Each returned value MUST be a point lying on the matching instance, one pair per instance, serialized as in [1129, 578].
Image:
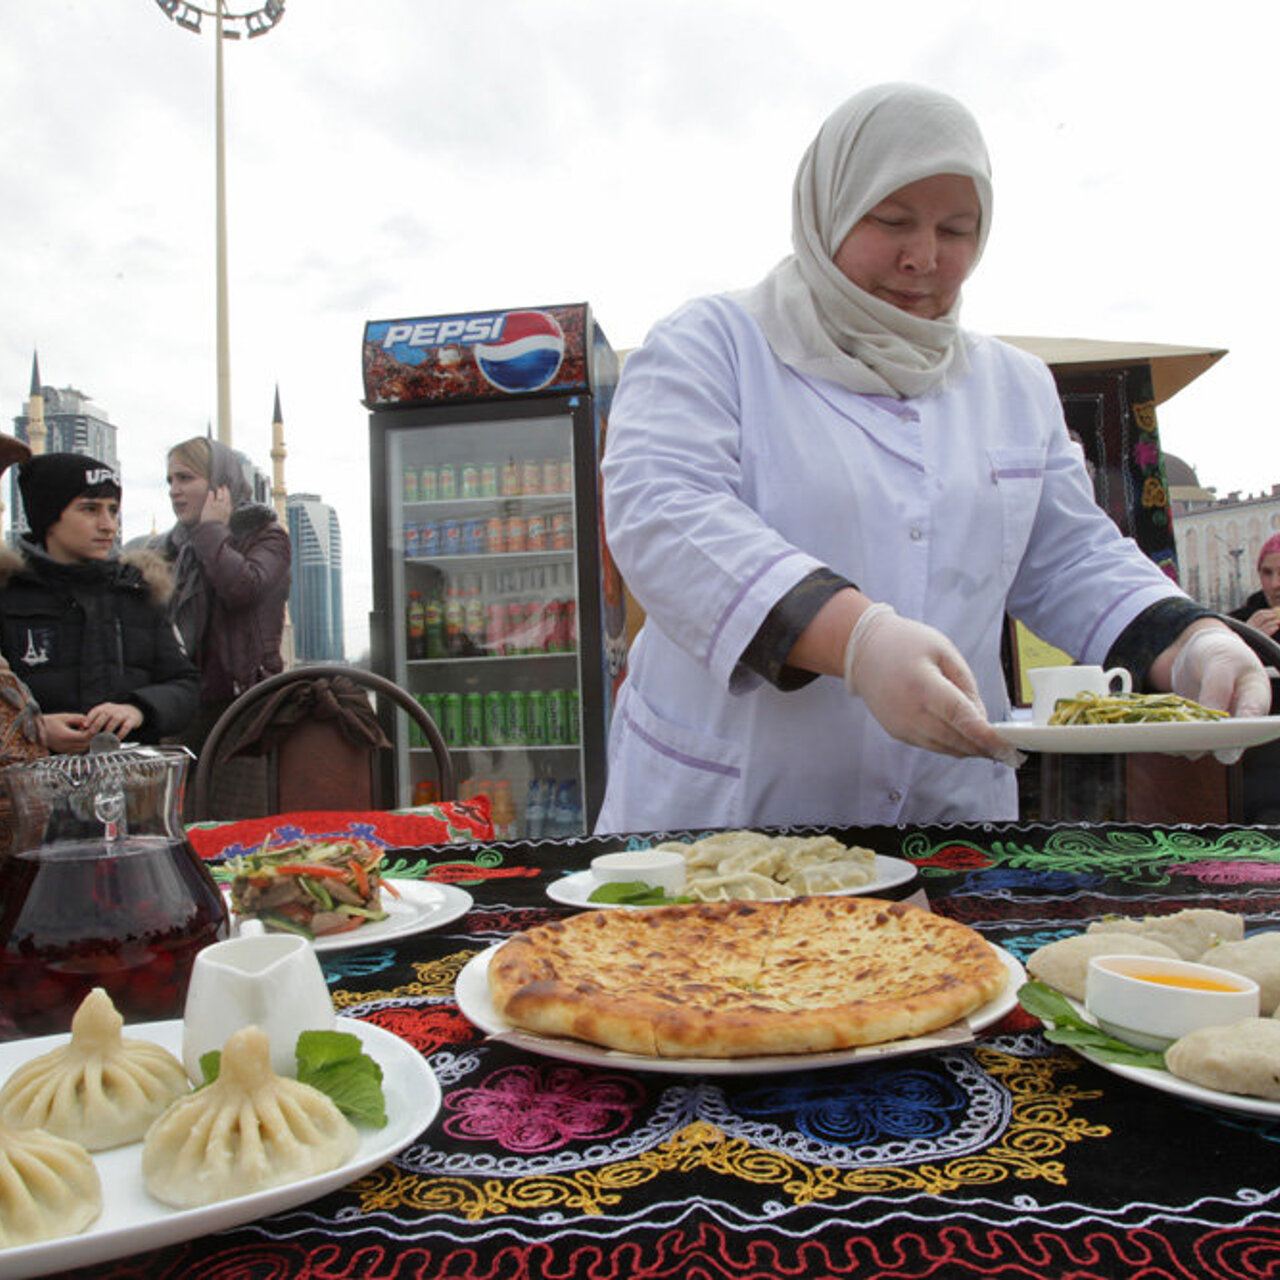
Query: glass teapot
[99, 887]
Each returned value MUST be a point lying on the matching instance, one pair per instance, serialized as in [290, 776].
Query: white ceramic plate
[132, 1222]
[422, 905]
[1170, 739]
[1165, 1082]
[575, 889]
[472, 993]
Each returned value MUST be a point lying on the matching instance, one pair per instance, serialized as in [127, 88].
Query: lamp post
[229, 24]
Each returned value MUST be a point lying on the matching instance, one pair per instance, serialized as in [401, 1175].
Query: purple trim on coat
[693, 762]
[1115, 604]
[742, 591]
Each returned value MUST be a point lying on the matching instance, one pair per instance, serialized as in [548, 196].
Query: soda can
[450, 538]
[495, 535]
[531, 476]
[427, 491]
[535, 534]
[535, 728]
[428, 538]
[451, 719]
[426, 792]
[489, 480]
[516, 718]
[469, 481]
[474, 537]
[516, 533]
[510, 482]
[473, 720]
[573, 718]
[550, 476]
[566, 475]
[431, 704]
[411, 484]
[557, 717]
[447, 483]
[412, 546]
[495, 719]
[561, 532]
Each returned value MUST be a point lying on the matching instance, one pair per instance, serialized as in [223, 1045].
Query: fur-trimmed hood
[150, 566]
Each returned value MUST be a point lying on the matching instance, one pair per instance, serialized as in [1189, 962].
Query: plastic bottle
[434, 610]
[566, 814]
[453, 621]
[535, 810]
[417, 627]
[503, 811]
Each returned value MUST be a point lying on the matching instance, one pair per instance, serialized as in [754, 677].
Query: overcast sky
[396, 158]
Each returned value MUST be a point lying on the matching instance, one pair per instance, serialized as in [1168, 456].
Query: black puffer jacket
[81, 634]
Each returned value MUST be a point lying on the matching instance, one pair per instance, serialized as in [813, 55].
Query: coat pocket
[1018, 477]
[664, 777]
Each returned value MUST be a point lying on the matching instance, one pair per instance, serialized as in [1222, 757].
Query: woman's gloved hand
[1215, 668]
[919, 687]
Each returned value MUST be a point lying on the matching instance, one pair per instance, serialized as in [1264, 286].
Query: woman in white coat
[825, 476]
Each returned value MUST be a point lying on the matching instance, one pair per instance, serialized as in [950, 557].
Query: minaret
[278, 496]
[37, 433]
[278, 491]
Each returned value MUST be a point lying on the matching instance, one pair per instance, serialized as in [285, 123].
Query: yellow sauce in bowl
[1184, 980]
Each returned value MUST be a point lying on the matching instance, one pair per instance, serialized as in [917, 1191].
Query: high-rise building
[315, 598]
[60, 420]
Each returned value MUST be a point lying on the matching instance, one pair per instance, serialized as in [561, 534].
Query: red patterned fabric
[447, 823]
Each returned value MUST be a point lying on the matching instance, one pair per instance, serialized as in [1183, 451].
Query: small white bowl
[659, 868]
[1150, 1001]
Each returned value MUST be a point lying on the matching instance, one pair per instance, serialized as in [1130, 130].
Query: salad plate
[1164, 737]
[575, 889]
[132, 1222]
[416, 906]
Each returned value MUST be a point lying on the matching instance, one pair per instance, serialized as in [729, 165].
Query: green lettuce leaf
[1077, 1032]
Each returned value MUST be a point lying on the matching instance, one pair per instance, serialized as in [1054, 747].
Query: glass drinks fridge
[495, 600]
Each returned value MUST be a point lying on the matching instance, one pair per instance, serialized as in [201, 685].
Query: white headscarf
[815, 318]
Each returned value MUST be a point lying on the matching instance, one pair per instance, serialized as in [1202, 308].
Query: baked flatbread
[741, 979]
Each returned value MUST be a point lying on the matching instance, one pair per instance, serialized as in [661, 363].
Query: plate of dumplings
[96, 1153]
[1235, 1066]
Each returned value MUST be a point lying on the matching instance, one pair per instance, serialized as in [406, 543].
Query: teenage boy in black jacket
[86, 632]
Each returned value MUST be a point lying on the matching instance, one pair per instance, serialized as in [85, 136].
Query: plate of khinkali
[132, 1221]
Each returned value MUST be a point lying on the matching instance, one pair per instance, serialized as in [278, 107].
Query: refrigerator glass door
[487, 598]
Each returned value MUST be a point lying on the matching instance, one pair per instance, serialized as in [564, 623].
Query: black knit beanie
[51, 482]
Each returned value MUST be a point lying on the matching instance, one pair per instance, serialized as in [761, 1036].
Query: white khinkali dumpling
[1064, 964]
[743, 884]
[48, 1187]
[1257, 958]
[249, 1130]
[99, 1089]
[1238, 1057]
[1190, 933]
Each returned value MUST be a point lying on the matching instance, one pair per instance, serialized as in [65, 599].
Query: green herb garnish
[334, 1063]
[1071, 1029]
[632, 893]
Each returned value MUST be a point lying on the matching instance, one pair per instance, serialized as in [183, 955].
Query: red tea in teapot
[128, 916]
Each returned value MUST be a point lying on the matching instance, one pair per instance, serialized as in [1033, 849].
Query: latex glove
[919, 687]
[1217, 669]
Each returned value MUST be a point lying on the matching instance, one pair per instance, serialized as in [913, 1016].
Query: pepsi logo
[526, 357]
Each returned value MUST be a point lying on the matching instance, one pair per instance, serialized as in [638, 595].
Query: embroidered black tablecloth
[1005, 1158]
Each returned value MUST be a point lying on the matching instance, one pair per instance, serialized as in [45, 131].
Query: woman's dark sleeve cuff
[1151, 633]
[766, 655]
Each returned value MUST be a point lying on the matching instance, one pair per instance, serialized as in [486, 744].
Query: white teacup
[269, 980]
[1048, 684]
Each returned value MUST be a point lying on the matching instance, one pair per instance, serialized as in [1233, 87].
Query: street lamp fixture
[230, 23]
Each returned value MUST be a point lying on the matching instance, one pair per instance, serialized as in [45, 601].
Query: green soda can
[473, 720]
[517, 718]
[451, 720]
[431, 704]
[557, 717]
[573, 718]
[495, 719]
[535, 729]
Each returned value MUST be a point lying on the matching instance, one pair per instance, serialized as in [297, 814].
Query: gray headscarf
[817, 320]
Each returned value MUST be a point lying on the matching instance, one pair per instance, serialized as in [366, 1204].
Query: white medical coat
[728, 477]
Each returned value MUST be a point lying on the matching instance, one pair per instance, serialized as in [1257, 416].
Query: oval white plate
[132, 1222]
[574, 890]
[422, 905]
[472, 994]
[1170, 739]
